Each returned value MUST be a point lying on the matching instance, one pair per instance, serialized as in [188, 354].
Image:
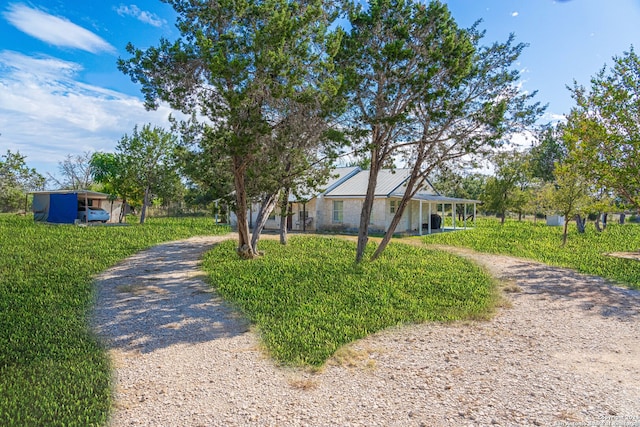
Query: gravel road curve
[565, 350]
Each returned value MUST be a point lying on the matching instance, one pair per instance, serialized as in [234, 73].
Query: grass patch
[53, 371]
[309, 298]
[583, 252]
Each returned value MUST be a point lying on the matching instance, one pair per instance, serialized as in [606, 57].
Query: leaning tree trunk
[406, 197]
[268, 204]
[601, 226]
[367, 206]
[564, 233]
[123, 208]
[392, 228]
[244, 248]
[284, 207]
[145, 202]
[581, 223]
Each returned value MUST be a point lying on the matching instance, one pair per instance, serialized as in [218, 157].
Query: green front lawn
[309, 298]
[53, 372]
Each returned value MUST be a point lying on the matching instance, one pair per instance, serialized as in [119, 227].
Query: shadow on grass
[158, 298]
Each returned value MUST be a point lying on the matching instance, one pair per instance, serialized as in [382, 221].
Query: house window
[272, 215]
[393, 205]
[338, 213]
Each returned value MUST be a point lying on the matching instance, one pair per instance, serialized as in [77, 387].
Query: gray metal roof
[338, 175]
[389, 182]
[436, 198]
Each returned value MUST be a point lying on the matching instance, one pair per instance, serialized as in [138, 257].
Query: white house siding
[380, 217]
[351, 209]
[349, 187]
[414, 207]
[296, 210]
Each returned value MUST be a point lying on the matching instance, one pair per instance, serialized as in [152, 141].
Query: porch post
[464, 216]
[420, 218]
[304, 217]
[429, 227]
[474, 214]
[453, 214]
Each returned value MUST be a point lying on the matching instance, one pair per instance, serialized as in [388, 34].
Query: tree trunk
[244, 248]
[580, 223]
[145, 202]
[406, 197]
[392, 228]
[622, 215]
[564, 233]
[123, 209]
[367, 206]
[268, 204]
[502, 216]
[284, 207]
[601, 226]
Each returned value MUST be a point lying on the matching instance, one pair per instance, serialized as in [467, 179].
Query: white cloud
[45, 113]
[514, 14]
[554, 118]
[55, 30]
[141, 15]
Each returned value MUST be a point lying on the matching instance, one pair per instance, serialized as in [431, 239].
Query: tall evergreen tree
[237, 69]
[424, 89]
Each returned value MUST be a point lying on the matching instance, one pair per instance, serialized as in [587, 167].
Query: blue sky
[61, 93]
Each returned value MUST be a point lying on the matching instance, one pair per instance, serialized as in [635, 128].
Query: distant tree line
[16, 180]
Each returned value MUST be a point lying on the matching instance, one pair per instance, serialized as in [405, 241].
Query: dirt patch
[626, 255]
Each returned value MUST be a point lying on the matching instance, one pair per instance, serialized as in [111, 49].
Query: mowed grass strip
[309, 298]
[585, 253]
[53, 371]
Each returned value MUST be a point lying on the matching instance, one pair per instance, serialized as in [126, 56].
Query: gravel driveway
[565, 350]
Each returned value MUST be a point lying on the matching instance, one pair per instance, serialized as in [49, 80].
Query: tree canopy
[75, 171]
[426, 91]
[603, 129]
[506, 189]
[16, 179]
[142, 167]
[238, 70]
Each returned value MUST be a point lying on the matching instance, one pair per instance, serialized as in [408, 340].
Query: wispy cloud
[54, 30]
[141, 15]
[554, 118]
[514, 14]
[46, 113]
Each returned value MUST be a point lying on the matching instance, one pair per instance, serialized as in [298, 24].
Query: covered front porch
[431, 213]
